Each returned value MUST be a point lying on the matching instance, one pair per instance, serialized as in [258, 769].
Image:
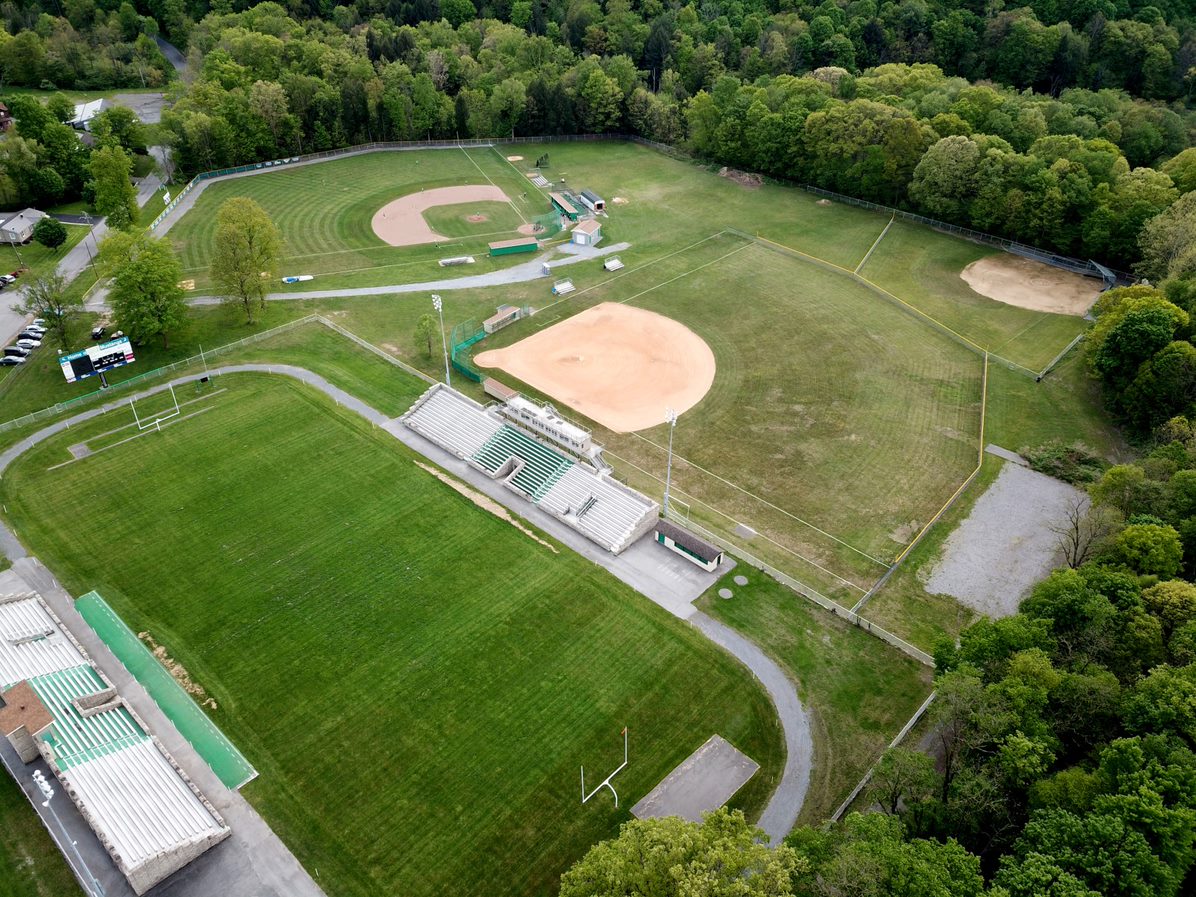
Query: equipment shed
[689, 546]
[592, 201]
[587, 233]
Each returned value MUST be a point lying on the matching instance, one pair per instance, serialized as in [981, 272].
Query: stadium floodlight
[47, 790]
[605, 782]
[438, 304]
[670, 417]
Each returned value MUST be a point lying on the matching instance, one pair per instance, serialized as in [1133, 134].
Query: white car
[29, 343]
[9, 360]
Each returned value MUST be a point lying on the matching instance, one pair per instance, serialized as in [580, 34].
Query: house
[18, 228]
[588, 233]
[6, 118]
[85, 112]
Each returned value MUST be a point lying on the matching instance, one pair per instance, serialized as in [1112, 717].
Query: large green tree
[146, 298]
[48, 298]
[115, 195]
[670, 857]
[245, 257]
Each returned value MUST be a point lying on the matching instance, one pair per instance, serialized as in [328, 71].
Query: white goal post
[156, 421]
[605, 782]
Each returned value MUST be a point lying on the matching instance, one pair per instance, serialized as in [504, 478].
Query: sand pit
[617, 365]
[514, 158]
[530, 229]
[1029, 284]
[401, 221]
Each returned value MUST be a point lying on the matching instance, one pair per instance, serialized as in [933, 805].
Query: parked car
[97, 333]
[40, 331]
[8, 278]
[40, 322]
[16, 350]
[27, 343]
[10, 360]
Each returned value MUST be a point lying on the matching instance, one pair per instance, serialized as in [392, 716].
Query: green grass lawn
[858, 690]
[452, 221]
[830, 404]
[921, 266]
[40, 260]
[417, 681]
[30, 864]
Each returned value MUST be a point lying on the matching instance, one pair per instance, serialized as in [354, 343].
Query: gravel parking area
[1006, 544]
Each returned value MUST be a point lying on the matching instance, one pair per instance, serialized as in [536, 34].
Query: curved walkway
[780, 814]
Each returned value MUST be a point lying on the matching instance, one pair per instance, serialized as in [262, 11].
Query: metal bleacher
[75, 738]
[599, 508]
[541, 467]
[588, 501]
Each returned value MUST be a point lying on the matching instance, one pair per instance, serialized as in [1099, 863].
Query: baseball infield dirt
[1029, 284]
[617, 365]
[401, 222]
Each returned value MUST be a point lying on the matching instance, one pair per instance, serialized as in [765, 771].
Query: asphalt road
[659, 575]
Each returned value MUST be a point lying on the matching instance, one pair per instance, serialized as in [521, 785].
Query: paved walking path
[530, 270]
[662, 577]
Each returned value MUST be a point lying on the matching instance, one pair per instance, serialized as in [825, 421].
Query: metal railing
[806, 592]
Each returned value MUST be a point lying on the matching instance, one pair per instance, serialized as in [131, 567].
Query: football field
[416, 681]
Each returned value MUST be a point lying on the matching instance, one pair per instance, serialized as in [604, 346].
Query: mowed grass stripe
[415, 680]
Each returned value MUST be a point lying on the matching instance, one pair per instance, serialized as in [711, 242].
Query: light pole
[48, 792]
[439, 306]
[90, 257]
[670, 417]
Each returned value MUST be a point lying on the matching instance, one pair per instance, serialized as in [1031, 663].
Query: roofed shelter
[561, 203]
[697, 551]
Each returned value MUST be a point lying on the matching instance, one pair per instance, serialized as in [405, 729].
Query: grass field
[921, 266]
[40, 260]
[833, 410]
[30, 864]
[333, 238]
[858, 690]
[416, 681]
[452, 221]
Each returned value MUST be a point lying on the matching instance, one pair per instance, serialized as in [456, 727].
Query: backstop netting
[463, 337]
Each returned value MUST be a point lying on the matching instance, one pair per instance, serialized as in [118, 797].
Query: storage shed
[587, 233]
[514, 247]
[697, 551]
[592, 201]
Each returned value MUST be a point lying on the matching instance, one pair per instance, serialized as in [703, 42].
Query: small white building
[85, 112]
[587, 233]
[18, 228]
[695, 550]
[543, 420]
[592, 201]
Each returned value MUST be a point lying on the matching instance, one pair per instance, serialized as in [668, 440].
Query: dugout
[514, 247]
[562, 204]
[695, 550]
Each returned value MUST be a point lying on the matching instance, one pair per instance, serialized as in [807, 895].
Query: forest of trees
[1054, 124]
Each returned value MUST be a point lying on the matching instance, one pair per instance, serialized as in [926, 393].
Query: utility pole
[670, 417]
[439, 306]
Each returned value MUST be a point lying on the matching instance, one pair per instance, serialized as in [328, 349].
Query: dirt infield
[617, 365]
[401, 223]
[1029, 284]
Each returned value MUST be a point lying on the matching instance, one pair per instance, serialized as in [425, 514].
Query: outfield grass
[921, 266]
[858, 690]
[452, 221]
[416, 680]
[833, 409]
[30, 864]
[332, 237]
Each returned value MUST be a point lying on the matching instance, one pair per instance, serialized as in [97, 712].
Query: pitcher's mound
[476, 219]
[1026, 283]
[617, 365]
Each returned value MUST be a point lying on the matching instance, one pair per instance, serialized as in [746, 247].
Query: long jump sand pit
[401, 221]
[1026, 283]
[618, 365]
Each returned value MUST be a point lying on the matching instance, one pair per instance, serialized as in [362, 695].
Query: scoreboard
[96, 359]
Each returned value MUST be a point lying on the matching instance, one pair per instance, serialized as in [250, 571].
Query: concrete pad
[705, 780]
[741, 580]
[725, 593]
